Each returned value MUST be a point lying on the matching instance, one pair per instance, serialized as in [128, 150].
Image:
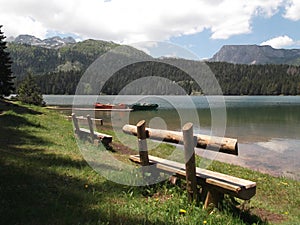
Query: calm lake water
[267, 127]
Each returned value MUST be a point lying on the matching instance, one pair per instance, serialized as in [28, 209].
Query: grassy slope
[45, 180]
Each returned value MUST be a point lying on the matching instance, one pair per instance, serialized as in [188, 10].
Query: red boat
[98, 105]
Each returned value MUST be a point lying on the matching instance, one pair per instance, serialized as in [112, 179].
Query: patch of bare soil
[268, 216]
[122, 149]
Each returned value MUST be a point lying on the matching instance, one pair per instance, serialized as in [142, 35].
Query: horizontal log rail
[221, 144]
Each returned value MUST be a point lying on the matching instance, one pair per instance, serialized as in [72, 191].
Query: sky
[201, 27]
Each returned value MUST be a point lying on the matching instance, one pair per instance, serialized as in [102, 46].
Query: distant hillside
[29, 56]
[254, 54]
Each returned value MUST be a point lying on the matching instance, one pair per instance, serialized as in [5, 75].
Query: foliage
[29, 92]
[257, 79]
[41, 61]
[233, 79]
[6, 83]
[59, 83]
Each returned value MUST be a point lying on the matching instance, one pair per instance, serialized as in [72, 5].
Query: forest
[60, 71]
[234, 79]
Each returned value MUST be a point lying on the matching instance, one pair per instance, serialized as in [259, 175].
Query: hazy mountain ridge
[255, 54]
[53, 42]
[236, 54]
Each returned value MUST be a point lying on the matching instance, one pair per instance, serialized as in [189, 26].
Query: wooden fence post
[75, 122]
[142, 142]
[90, 123]
[190, 166]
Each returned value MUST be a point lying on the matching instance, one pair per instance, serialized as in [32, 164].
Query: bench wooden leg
[213, 198]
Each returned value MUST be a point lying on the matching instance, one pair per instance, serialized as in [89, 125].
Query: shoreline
[263, 165]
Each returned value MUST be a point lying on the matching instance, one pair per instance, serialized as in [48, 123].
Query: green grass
[45, 180]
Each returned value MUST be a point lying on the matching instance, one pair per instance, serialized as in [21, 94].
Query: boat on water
[144, 106]
[99, 105]
[136, 106]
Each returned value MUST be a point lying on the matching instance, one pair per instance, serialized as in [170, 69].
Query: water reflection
[253, 124]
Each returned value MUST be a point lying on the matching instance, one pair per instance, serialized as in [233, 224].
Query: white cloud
[128, 21]
[292, 10]
[280, 42]
[145, 46]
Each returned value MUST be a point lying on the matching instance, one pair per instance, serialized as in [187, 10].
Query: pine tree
[29, 92]
[6, 78]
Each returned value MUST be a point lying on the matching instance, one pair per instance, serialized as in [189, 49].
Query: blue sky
[200, 26]
[263, 30]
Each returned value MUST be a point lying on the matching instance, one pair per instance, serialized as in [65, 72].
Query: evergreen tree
[6, 83]
[29, 92]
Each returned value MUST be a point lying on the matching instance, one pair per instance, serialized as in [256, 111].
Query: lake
[267, 127]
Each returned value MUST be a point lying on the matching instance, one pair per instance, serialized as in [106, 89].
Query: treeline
[59, 83]
[237, 79]
[150, 77]
[159, 77]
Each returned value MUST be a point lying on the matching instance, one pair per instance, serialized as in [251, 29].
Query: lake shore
[266, 127]
[267, 162]
[41, 164]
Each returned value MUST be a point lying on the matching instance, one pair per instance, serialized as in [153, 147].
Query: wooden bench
[90, 133]
[214, 185]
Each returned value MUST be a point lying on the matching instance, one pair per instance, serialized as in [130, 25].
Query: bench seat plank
[99, 135]
[103, 137]
[241, 188]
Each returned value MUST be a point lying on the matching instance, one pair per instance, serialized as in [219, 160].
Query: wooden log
[142, 142]
[190, 165]
[222, 144]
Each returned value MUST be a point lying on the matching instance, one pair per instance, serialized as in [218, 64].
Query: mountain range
[236, 54]
[255, 54]
[53, 42]
[31, 54]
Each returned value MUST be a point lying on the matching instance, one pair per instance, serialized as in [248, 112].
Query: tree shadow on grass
[247, 217]
[37, 195]
[29, 197]
[6, 105]
[38, 187]
[11, 134]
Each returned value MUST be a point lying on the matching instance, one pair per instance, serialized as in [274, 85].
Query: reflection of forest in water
[263, 123]
[248, 124]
